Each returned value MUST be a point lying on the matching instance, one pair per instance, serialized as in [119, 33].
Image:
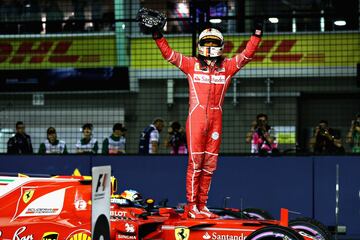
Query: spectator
[52, 145]
[353, 136]
[249, 135]
[150, 137]
[88, 144]
[260, 137]
[116, 143]
[21, 142]
[176, 139]
[326, 140]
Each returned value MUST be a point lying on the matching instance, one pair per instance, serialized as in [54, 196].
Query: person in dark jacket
[21, 142]
[150, 137]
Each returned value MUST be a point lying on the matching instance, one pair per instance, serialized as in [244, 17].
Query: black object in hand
[150, 21]
[258, 28]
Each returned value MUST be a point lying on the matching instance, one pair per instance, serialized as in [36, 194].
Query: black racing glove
[258, 28]
[151, 22]
[157, 34]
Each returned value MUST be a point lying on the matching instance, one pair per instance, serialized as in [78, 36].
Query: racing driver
[209, 75]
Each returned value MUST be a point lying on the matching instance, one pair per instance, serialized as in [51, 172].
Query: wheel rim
[308, 232]
[271, 235]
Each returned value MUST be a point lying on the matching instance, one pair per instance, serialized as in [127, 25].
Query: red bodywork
[60, 209]
[44, 209]
[167, 224]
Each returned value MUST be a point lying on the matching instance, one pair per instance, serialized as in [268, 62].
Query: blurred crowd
[53, 16]
[115, 144]
[261, 137]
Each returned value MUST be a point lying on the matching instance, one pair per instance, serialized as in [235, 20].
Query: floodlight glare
[274, 20]
[340, 23]
[215, 20]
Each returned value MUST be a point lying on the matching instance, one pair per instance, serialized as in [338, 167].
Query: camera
[260, 131]
[323, 131]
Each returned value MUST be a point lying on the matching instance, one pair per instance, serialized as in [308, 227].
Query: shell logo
[80, 236]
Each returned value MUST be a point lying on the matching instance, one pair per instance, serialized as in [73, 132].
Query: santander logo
[206, 236]
[217, 236]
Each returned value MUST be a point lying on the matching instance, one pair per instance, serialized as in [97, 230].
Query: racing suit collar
[204, 64]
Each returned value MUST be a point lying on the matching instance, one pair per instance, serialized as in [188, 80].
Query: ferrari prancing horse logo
[28, 194]
[182, 233]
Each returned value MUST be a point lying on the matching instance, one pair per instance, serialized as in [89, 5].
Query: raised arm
[152, 22]
[241, 59]
[173, 57]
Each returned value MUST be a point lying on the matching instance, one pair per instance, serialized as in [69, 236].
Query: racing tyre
[258, 214]
[310, 227]
[101, 229]
[275, 233]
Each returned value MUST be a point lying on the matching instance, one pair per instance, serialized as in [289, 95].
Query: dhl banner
[275, 51]
[57, 52]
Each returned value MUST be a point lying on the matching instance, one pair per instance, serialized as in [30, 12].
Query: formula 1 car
[129, 221]
[61, 209]
[53, 208]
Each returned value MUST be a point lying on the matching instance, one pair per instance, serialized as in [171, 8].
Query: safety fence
[64, 64]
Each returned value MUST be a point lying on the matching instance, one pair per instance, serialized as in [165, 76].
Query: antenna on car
[225, 200]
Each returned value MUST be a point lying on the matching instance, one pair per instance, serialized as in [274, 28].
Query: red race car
[61, 208]
[57, 208]
[131, 219]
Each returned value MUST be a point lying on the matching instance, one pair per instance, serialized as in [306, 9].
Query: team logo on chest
[205, 78]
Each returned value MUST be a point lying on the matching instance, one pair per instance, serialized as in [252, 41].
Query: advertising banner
[308, 50]
[48, 52]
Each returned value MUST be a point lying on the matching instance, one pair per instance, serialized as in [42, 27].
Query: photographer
[326, 140]
[176, 139]
[259, 136]
[353, 136]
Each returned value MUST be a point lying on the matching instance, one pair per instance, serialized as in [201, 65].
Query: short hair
[119, 126]
[51, 130]
[87, 126]
[324, 121]
[175, 125]
[261, 115]
[19, 123]
[158, 119]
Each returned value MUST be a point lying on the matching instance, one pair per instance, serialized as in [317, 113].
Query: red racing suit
[207, 88]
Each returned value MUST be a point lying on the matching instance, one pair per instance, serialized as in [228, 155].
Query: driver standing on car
[209, 75]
